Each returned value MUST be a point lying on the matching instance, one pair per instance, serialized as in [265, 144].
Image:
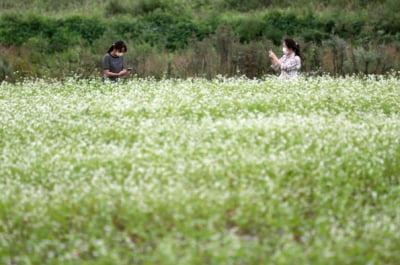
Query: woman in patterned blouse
[290, 63]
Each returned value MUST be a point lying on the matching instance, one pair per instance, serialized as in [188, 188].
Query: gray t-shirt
[114, 64]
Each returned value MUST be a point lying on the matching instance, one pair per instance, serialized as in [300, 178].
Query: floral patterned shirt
[291, 64]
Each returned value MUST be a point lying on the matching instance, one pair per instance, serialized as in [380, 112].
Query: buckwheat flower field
[181, 172]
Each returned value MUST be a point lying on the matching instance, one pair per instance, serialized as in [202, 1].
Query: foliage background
[196, 37]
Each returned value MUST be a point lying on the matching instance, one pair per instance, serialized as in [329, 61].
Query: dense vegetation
[206, 170]
[228, 171]
[198, 37]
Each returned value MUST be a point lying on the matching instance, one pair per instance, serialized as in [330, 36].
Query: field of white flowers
[228, 171]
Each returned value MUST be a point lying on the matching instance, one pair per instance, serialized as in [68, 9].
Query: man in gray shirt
[113, 62]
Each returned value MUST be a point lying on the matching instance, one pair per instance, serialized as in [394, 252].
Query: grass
[228, 171]
[63, 8]
[60, 9]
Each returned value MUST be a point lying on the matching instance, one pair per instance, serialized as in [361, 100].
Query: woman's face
[120, 52]
[285, 49]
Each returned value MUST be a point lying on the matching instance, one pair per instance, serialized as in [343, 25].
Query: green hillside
[196, 38]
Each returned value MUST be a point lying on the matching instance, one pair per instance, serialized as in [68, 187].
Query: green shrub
[251, 59]
[160, 29]
[6, 69]
[141, 7]
[240, 5]
[169, 30]
[388, 27]
[276, 24]
[249, 28]
[15, 30]
[115, 7]
[89, 29]
[148, 6]
[60, 33]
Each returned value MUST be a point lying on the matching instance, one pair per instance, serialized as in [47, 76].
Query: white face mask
[284, 50]
[119, 54]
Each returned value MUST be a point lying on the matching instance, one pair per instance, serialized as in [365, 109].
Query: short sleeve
[106, 62]
[275, 67]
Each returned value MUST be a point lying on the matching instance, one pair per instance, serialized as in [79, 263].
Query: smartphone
[129, 69]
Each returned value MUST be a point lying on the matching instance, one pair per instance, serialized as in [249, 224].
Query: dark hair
[291, 44]
[119, 45]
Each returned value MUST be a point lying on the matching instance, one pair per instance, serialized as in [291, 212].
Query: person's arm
[111, 74]
[124, 70]
[275, 62]
[275, 67]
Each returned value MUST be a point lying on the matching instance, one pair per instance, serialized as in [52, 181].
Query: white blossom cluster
[227, 171]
